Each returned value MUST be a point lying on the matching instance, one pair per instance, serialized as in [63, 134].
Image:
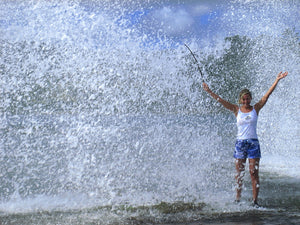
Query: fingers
[282, 75]
[205, 86]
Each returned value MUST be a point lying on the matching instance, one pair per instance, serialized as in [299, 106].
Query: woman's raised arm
[232, 107]
[258, 106]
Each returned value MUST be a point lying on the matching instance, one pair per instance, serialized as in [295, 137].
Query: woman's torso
[247, 123]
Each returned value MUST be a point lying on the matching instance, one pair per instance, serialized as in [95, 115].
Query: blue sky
[207, 19]
[177, 20]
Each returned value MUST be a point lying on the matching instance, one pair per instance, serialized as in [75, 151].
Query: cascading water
[103, 118]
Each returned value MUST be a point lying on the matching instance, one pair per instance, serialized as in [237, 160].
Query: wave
[48, 78]
[93, 105]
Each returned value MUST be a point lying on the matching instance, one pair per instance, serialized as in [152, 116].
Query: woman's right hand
[205, 87]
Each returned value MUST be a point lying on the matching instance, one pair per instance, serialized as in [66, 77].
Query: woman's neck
[246, 108]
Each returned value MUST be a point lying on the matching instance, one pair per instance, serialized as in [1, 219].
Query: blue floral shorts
[248, 148]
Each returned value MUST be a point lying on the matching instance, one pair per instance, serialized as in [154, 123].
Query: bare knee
[253, 167]
[253, 173]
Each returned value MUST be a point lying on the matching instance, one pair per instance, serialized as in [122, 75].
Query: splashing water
[100, 111]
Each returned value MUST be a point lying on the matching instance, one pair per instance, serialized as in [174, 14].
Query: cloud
[173, 20]
[200, 9]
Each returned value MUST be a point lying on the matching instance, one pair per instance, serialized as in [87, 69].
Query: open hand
[205, 87]
[281, 75]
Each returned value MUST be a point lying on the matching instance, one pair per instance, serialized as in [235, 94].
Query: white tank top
[246, 124]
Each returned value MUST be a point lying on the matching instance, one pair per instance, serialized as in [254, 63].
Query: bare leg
[240, 168]
[254, 169]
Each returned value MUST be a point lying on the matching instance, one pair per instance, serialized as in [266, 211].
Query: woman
[247, 145]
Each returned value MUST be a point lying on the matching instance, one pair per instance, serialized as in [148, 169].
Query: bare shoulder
[258, 107]
[235, 109]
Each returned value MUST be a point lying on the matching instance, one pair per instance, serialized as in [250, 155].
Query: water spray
[198, 65]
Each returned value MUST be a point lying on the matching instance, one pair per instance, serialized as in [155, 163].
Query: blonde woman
[247, 144]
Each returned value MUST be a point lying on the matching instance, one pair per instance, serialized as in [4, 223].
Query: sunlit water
[103, 121]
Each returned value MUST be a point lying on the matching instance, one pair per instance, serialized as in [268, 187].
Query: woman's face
[246, 100]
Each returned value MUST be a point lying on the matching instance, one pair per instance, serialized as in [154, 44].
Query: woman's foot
[255, 204]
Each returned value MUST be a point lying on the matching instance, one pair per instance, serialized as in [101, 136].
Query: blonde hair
[244, 92]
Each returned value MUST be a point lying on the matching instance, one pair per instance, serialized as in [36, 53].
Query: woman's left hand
[281, 75]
